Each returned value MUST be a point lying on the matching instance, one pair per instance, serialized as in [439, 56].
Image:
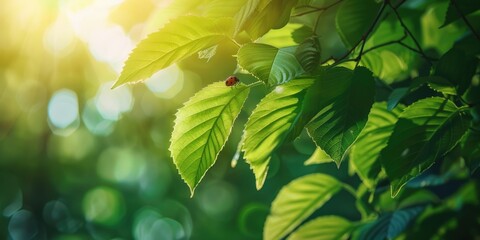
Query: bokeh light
[23, 225]
[166, 83]
[103, 205]
[94, 121]
[149, 224]
[121, 165]
[11, 199]
[63, 113]
[111, 104]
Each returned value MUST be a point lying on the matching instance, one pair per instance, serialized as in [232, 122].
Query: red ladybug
[231, 81]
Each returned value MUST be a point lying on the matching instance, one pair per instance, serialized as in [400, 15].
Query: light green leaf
[297, 201]
[425, 131]
[354, 18]
[318, 157]
[373, 138]
[270, 124]
[270, 14]
[389, 225]
[269, 64]
[178, 40]
[345, 111]
[282, 37]
[222, 8]
[323, 228]
[308, 53]
[465, 6]
[442, 85]
[202, 127]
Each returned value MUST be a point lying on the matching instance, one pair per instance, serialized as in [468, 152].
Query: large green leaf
[354, 18]
[202, 127]
[270, 14]
[390, 225]
[297, 201]
[269, 64]
[373, 138]
[178, 40]
[222, 8]
[464, 6]
[323, 228]
[425, 131]
[458, 68]
[270, 124]
[244, 14]
[345, 111]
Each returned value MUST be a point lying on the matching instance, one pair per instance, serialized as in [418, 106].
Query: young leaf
[270, 123]
[344, 113]
[308, 53]
[202, 127]
[297, 201]
[425, 131]
[354, 18]
[178, 40]
[323, 228]
[373, 138]
[458, 68]
[269, 64]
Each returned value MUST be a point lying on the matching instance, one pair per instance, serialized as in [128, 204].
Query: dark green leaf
[297, 201]
[464, 6]
[457, 68]
[346, 102]
[442, 85]
[354, 18]
[425, 131]
[202, 127]
[308, 53]
[471, 149]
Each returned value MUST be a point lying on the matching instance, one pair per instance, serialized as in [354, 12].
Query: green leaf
[390, 225]
[354, 18]
[345, 111]
[270, 14]
[308, 53]
[458, 68]
[442, 85]
[319, 156]
[425, 131]
[222, 8]
[269, 64]
[270, 124]
[282, 37]
[244, 14]
[323, 228]
[396, 96]
[373, 138]
[178, 40]
[465, 6]
[471, 149]
[202, 127]
[297, 201]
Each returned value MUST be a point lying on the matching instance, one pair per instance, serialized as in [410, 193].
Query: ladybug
[231, 81]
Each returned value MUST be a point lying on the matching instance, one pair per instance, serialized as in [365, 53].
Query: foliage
[387, 91]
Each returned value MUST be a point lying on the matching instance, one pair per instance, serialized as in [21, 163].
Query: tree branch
[469, 25]
[316, 9]
[419, 48]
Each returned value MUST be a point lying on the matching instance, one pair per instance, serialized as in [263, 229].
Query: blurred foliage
[79, 160]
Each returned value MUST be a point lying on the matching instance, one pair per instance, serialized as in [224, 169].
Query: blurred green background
[81, 161]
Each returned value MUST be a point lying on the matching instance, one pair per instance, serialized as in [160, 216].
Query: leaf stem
[235, 42]
[350, 189]
[254, 84]
[469, 25]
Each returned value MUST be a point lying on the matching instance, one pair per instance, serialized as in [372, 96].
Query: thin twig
[387, 43]
[316, 9]
[419, 48]
[469, 25]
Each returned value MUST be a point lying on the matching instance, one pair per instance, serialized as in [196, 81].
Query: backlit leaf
[425, 131]
[202, 127]
[373, 138]
[297, 201]
[323, 228]
[167, 46]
